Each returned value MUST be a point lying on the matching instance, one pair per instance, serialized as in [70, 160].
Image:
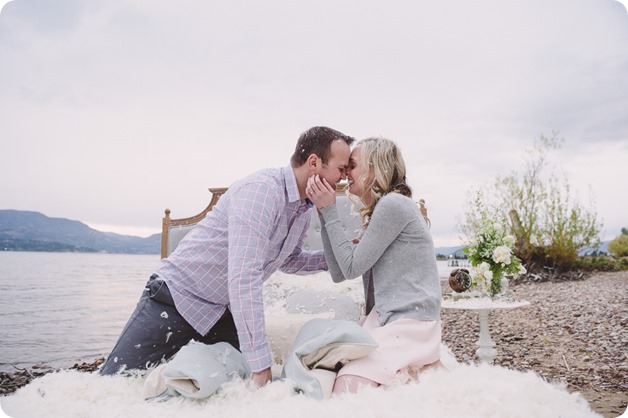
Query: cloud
[112, 112]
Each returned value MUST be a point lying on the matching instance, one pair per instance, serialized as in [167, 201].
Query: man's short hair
[317, 140]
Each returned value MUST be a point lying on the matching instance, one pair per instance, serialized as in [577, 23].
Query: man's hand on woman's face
[320, 192]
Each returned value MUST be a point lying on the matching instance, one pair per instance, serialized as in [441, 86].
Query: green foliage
[619, 246]
[550, 226]
[568, 226]
[602, 263]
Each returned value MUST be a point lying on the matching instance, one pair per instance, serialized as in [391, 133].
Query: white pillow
[281, 331]
[307, 301]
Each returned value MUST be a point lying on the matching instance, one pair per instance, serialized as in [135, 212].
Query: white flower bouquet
[491, 256]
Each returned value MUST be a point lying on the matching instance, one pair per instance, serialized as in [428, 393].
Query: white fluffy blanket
[464, 391]
[461, 391]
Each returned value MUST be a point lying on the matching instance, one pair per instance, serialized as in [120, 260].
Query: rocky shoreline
[10, 382]
[575, 332]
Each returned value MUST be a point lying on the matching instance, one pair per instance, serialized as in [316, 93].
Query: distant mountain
[457, 250]
[450, 251]
[458, 253]
[33, 231]
[603, 249]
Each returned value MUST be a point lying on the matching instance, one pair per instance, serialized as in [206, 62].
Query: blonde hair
[386, 173]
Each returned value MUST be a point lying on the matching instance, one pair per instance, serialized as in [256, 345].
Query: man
[210, 288]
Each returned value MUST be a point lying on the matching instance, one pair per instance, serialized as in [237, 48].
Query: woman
[395, 255]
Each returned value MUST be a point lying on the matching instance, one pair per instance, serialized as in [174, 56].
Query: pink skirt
[405, 346]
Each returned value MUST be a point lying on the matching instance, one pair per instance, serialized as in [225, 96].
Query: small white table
[486, 346]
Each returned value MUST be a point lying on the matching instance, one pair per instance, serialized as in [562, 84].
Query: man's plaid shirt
[255, 229]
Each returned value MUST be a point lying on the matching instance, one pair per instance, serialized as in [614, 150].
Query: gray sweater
[398, 246]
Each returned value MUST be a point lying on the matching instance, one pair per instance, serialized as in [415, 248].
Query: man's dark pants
[156, 331]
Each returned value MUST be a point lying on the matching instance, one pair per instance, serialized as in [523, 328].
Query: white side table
[486, 346]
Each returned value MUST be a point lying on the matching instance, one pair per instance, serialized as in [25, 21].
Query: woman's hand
[320, 192]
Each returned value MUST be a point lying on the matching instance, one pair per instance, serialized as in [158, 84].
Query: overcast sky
[111, 112]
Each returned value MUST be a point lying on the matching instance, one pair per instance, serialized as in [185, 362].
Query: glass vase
[499, 284]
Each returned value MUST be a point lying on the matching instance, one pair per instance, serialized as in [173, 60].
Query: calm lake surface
[58, 309]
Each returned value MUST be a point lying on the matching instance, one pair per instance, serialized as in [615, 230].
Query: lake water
[57, 309]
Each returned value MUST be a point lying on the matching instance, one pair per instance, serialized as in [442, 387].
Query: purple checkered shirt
[255, 229]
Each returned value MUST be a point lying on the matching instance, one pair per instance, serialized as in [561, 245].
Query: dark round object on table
[459, 280]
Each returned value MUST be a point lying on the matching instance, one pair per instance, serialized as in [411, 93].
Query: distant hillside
[33, 231]
[450, 251]
[457, 252]
[603, 249]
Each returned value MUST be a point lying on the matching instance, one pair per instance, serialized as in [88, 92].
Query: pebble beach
[573, 332]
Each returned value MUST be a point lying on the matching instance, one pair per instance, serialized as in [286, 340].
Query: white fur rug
[458, 391]
[462, 391]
